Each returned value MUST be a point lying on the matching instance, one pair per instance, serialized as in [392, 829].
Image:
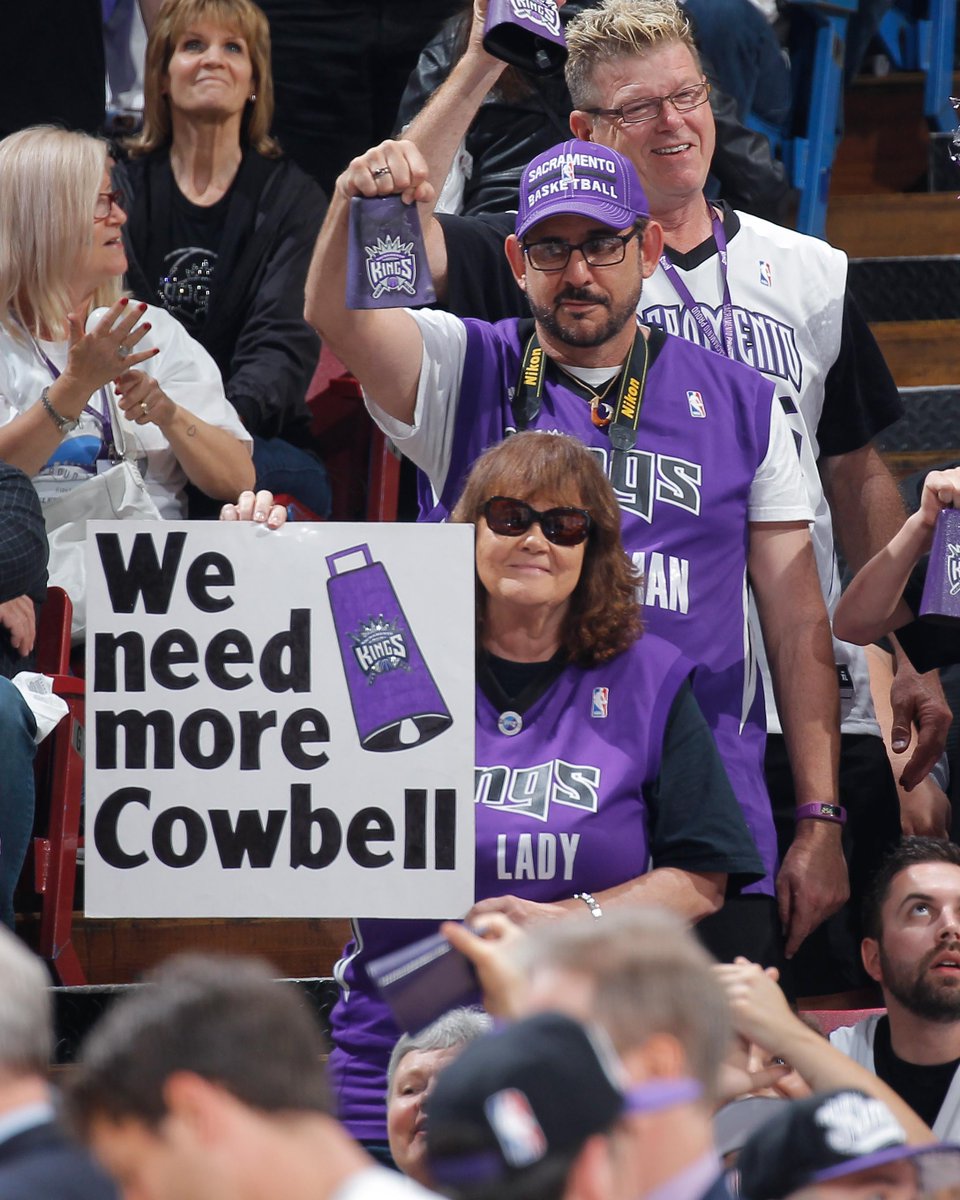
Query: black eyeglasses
[564, 526]
[648, 109]
[105, 203]
[553, 254]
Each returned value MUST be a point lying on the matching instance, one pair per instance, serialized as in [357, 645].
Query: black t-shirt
[923, 1087]
[184, 275]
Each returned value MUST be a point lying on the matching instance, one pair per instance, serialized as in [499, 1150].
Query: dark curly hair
[604, 614]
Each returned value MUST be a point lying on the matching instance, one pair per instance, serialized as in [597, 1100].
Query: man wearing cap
[532, 1110]
[841, 1145]
[768, 297]
[696, 445]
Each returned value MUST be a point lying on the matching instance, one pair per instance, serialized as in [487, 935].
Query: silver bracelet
[595, 910]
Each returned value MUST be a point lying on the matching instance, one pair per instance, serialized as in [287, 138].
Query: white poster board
[279, 724]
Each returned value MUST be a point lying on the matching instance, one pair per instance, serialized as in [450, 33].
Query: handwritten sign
[279, 724]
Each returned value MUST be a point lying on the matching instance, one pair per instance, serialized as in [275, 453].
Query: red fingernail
[147, 325]
[124, 299]
[143, 308]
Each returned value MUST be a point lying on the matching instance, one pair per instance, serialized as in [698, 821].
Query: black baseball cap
[535, 1089]
[831, 1135]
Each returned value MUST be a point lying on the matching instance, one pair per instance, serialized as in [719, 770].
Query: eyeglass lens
[565, 526]
[554, 254]
[105, 202]
[682, 101]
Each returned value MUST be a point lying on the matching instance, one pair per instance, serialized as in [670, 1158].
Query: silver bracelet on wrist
[595, 910]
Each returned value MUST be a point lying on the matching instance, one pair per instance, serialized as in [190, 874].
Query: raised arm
[442, 124]
[873, 605]
[762, 1015]
[382, 347]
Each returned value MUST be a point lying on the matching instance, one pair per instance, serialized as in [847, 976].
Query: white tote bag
[119, 494]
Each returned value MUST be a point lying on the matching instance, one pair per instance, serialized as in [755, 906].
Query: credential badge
[953, 567]
[379, 647]
[540, 12]
[391, 266]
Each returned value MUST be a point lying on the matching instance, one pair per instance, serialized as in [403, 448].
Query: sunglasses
[564, 526]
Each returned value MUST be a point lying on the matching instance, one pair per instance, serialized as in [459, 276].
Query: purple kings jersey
[560, 809]
[683, 492]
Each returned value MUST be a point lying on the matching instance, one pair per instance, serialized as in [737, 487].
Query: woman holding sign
[598, 782]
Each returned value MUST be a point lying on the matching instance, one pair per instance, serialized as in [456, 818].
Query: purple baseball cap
[582, 179]
[829, 1136]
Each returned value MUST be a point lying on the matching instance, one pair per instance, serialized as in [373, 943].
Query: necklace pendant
[600, 414]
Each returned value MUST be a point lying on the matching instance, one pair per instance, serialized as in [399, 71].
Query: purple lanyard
[102, 418]
[726, 320]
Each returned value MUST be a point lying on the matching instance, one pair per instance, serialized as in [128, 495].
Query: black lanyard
[622, 429]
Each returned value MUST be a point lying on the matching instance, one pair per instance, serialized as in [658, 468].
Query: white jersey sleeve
[777, 492]
[428, 442]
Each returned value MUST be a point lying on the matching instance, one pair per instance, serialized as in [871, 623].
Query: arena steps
[900, 288]
[909, 224]
[921, 353]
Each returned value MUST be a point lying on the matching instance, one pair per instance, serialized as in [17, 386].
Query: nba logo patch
[697, 408]
[766, 274]
[515, 1127]
[567, 170]
[601, 697]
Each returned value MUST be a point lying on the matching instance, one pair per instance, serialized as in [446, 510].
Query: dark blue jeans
[17, 750]
[281, 467]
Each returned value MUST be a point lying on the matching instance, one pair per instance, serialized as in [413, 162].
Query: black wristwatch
[64, 424]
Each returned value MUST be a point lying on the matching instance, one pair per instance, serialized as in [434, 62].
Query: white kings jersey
[787, 291]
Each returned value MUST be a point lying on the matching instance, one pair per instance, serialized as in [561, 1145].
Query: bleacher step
[907, 289]
[920, 223]
[119, 951]
[921, 354]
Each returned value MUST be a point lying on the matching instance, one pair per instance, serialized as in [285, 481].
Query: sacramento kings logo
[379, 647]
[391, 267]
[953, 567]
[539, 12]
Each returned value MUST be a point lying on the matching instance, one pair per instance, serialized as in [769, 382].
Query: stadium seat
[59, 780]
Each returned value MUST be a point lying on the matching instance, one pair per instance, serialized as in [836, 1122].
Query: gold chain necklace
[600, 414]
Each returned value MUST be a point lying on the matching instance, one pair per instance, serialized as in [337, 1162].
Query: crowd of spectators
[659, 406]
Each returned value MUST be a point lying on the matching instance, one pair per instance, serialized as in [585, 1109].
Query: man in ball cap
[696, 445]
[842, 1145]
[530, 1110]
